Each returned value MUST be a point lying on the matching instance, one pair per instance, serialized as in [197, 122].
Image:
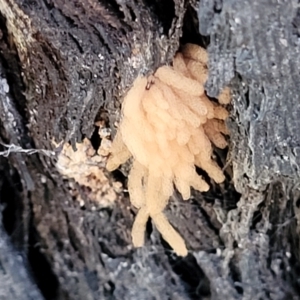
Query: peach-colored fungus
[168, 127]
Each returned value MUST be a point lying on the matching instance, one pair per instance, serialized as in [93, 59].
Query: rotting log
[254, 46]
[64, 62]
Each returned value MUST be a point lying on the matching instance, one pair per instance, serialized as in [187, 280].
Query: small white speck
[237, 20]
[43, 179]
[6, 87]
[283, 42]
